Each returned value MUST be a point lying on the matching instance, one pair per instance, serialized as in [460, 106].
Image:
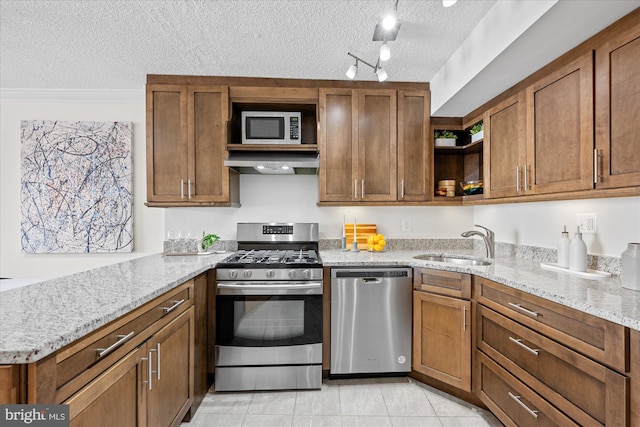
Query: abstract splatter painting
[76, 194]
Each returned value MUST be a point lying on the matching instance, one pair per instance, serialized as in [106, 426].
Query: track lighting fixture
[448, 3]
[353, 69]
[385, 52]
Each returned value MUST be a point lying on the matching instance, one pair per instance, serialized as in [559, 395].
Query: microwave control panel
[294, 128]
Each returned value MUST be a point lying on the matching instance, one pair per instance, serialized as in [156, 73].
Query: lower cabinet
[442, 327]
[152, 385]
[529, 373]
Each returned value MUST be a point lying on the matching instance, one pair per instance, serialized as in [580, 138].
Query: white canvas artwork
[76, 188]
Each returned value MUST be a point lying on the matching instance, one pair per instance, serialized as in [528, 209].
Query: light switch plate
[406, 225]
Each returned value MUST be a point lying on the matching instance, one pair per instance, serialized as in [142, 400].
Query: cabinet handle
[596, 167]
[150, 368]
[526, 178]
[158, 371]
[524, 310]
[355, 189]
[182, 188]
[402, 188]
[526, 408]
[362, 192]
[517, 179]
[175, 305]
[519, 342]
[148, 360]
[189, 189]
[121, 340]
[464, 318]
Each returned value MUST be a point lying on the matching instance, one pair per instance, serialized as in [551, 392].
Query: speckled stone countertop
[604, 298]
[38, 319]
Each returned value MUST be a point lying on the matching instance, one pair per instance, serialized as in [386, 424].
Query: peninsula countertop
[38, 319]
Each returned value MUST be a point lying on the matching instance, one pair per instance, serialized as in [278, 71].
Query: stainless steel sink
[453, 260]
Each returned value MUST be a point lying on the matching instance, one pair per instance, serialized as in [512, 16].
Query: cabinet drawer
[447, 283]
[603, 341]
[585, 390]
[512, 402]
[95, 352]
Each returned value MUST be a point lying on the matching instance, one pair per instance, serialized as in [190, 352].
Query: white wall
[294, 199]
[147, 222]
[276, 198]
[540, 223]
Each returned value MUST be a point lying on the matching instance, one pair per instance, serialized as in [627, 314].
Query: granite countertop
[38, 319]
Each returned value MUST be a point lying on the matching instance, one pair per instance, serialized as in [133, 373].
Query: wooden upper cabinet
[186, 146]
[357, 144]
[618, 110]
[415, 153]
[337, 144]
[166, 142]
[504, 147]
[560, 130]
[377, 144]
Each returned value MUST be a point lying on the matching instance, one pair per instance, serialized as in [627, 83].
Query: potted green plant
[477, 132]
[445, 138]
[207, 241]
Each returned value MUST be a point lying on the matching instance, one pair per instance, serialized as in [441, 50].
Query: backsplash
[546, 255]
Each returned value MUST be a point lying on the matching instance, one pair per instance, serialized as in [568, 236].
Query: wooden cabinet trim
[494, 386]
[454, 372]
[448, 283]
[583, 389]
[601, 340]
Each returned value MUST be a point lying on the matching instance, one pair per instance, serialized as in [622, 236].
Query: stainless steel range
[269, 310]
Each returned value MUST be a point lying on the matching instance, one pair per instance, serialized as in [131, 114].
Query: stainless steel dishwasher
[370, 320]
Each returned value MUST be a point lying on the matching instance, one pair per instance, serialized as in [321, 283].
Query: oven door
[268, 323]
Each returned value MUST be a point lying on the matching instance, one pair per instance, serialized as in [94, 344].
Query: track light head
[352, 71]
[385, 52]
[382, 75]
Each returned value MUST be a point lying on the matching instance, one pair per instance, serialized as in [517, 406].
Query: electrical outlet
[406, 225]
[587, 223]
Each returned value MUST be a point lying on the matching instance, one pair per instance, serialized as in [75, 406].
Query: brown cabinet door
[208, 113]
[115, 398]
[442, 338]
[618, 110]
[166, 143]
[415, 153]
[504, 148]
[337, 143]
[560, 130]
[377, 142]
[170, 352]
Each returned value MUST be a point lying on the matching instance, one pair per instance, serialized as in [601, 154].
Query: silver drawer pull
[121, 340]
[175, 305]
[158, 373]
[526, 408]
[524, 310]
[519, 342]
[150, 368]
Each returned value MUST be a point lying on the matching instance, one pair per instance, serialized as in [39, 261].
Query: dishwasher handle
[371, 280]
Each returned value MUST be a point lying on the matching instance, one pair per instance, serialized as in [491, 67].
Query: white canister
[630, 267]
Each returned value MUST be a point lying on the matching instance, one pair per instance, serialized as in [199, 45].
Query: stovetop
[272, 258]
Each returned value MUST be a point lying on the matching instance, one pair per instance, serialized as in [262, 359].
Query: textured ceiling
[114, 44]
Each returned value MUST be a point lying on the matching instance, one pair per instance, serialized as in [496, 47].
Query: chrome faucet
[488, 239]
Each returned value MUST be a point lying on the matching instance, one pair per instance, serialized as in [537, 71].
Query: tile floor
[393, 402]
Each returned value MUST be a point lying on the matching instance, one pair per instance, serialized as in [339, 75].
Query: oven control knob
[269, 274]
[306, 274]
[246, 274]
[233, 274]
[292, 274]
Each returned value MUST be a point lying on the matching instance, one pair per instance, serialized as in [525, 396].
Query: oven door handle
[245, 288]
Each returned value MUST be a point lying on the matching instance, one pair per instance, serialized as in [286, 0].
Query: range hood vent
[273, 162]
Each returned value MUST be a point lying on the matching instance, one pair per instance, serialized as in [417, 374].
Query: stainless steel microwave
[271, 127]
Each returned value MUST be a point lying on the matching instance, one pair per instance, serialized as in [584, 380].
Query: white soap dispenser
[578, 253]
[563, 249]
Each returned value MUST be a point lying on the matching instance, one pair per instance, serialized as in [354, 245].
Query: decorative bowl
[469, 188]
